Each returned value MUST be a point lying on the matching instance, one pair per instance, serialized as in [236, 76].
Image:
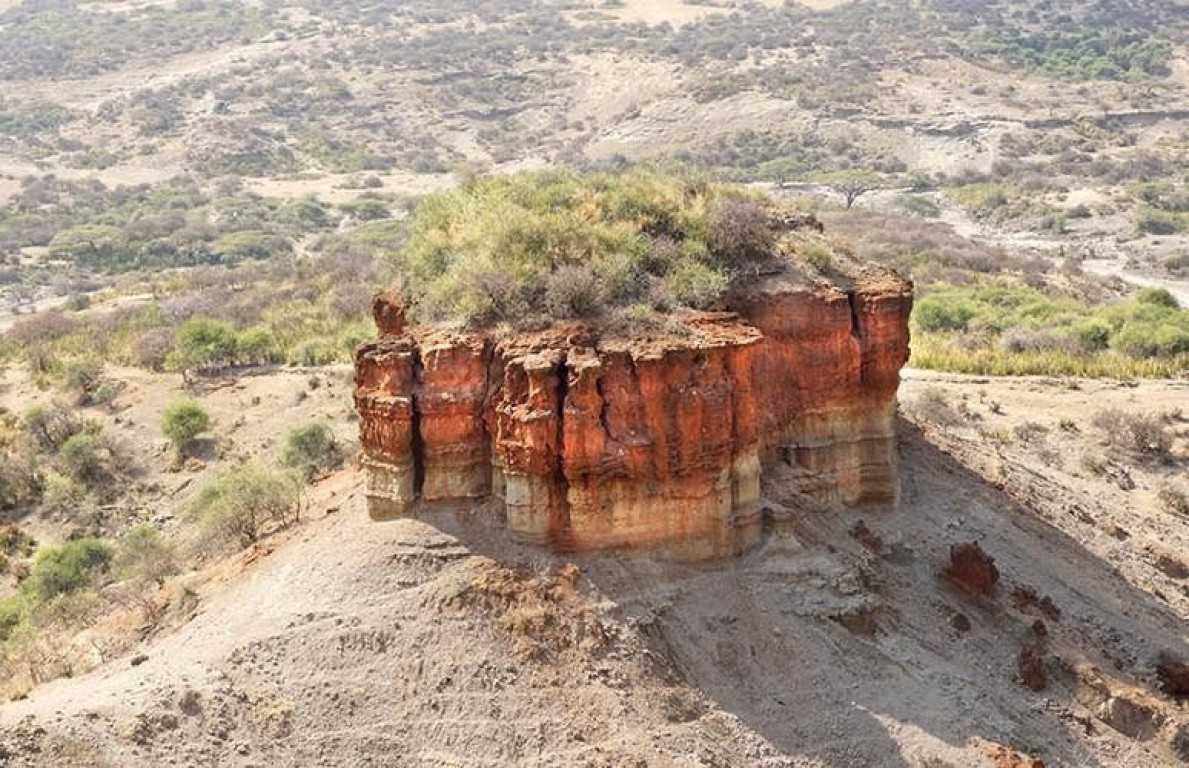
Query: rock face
[595, 439]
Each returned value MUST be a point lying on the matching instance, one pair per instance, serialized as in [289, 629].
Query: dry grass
[941, 353]
[1173, 500]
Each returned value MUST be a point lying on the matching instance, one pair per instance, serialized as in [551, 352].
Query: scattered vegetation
[1017, 330]
[242, 504]
[852, 184]
[559, 245]
[1085, 54]
[1145, 436]
[1173, 500]
[933, 405]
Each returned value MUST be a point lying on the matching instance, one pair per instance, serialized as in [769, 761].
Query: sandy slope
[441, 643]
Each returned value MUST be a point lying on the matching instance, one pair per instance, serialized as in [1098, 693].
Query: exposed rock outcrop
[972, 570]
[598, 439]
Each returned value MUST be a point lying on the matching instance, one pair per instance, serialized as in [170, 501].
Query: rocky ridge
[594, 438]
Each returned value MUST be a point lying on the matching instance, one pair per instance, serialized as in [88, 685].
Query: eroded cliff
[596, 439]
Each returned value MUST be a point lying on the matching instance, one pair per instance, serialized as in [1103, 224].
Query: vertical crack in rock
[852, 298]
[856, 332]
[417, 441]
[604, 407]
[488, 356]
[561, 524]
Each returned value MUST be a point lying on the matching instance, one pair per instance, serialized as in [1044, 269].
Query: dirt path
[1114, 268]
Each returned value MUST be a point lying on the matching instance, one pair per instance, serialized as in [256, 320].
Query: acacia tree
[852, 183]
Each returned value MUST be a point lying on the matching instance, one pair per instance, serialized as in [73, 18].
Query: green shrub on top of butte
[558, 245]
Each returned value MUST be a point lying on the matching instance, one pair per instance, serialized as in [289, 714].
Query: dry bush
[1031, 432]
[1173, 500]
[1144, 435]
[42, 329]
[740, 230]
[934, 406]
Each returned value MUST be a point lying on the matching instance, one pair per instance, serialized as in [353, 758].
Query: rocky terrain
[839, 640]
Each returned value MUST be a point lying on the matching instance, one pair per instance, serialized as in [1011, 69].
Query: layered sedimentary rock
[595, 439]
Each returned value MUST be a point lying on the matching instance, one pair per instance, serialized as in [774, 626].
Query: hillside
[441, 642]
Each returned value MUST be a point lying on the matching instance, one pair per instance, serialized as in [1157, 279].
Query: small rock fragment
[1031, 666]
[972, 570]
[1174, 677]
[960, 622]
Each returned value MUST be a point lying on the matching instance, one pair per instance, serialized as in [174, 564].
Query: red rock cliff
[594, 440]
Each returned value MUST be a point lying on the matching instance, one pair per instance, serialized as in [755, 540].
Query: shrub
[83, 375]
[1153, 221]
[694, 284]
[934, 313]
[1039, 333]
[818, 256]
[1159, 297]
[739, 230]
[242, 504]
[67, 568]
[86, 458]
[982, 198]
[52, 425]
[919, 205]
[144, 555]
[311, 449]
[93, 245]
[1093, 335]
[20, 479]
[573, 291]
[43, 328]
[151, 348]
[1173, 500]
[63, 496]
[13, 613]
[256, 346]
[1151, 339]
[1144, 434]
[238, 246]
[517, 248]
[182, 422]
[314, 353]
[203, 343]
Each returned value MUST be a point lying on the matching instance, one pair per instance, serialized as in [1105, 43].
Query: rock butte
[595, 440]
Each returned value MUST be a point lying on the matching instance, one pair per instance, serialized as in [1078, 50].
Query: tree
[182, 422]
[853, 183]
[242, 504]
